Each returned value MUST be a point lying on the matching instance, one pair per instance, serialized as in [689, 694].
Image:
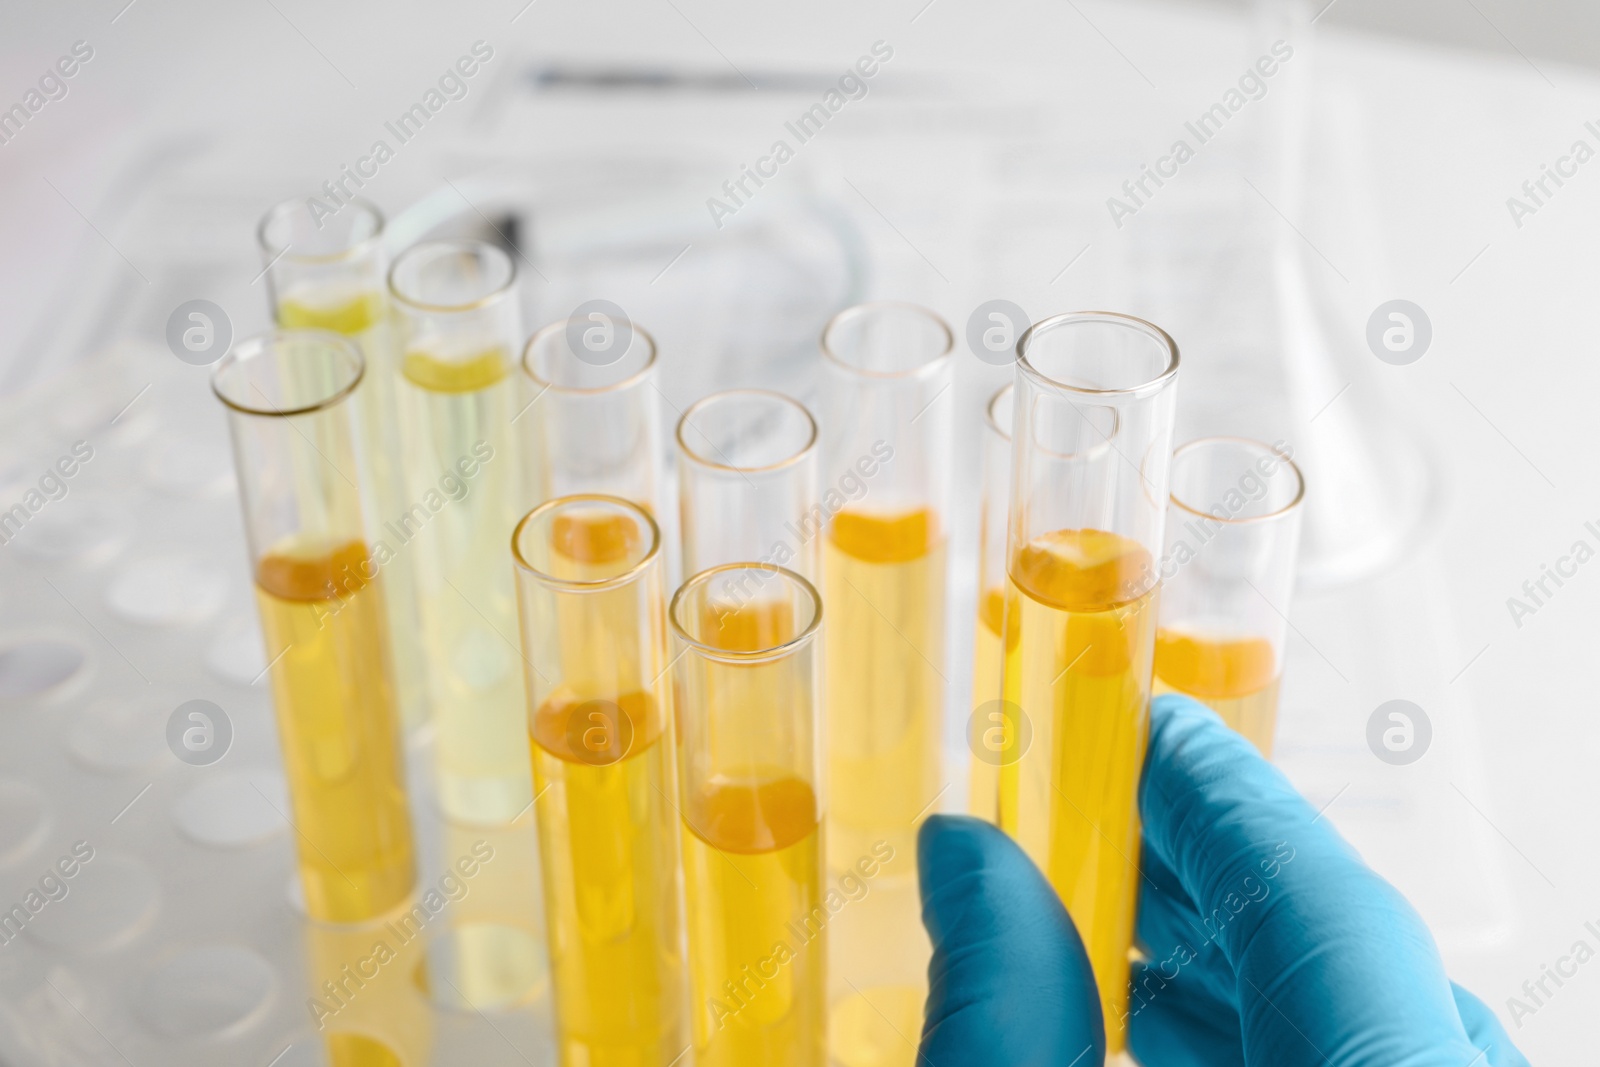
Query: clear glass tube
[594, 420]
[327, 273]
[1233, 538]
[1091, 446]
[990, 726]
[594, 637]
[320, 587]
[886, 432]
[745, 681]
[456, 314]
[747, 482]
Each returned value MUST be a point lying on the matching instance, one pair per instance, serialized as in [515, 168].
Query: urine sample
[457, 322]
[1233, 537]
[594, 634]
[747, 482]
[745, 681]
[885, 472]
[327, 273]
[991, 727]
[320, 590]
[1091, 444]
[591, 418]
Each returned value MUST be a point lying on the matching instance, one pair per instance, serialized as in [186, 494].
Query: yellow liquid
[1079, 644]
[593, 540]
[983, 793]
[482, 371]
[457, 410]
[757, 947]
[338, 728]
[606, 838]
[353, 1050]
[360, 314]
[349, 315]
[883, 595]
[1237, 677]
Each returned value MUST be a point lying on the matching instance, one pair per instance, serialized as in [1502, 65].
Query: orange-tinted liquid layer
[1235, 676]
[594, 539]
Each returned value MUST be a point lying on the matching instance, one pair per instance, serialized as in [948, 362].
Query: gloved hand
[1270, 943]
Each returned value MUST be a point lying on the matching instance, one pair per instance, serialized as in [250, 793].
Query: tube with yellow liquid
[327, 273]
[1091, 444]
[594, 633]
[990, 727]
[458, 324]
[320, 591]
[745, 680]
[886, 433]
[1233, 536]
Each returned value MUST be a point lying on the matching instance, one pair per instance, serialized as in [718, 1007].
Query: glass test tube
[1091, 442]
[745, 686]
[456, 314]
[320, 591]
[885, 474]
[988, 730]
[594, 415]
[594, 636]
[747, 482]
[1233, 534]
[327, 273]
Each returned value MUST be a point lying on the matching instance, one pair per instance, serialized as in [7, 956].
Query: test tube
[1233, 535]
[594, 637]
[593, 412]
[456, 312]
[747, 482]
[745, 681]
[990, 726]
[886, 464]
[1091, 445]
[319, 587]
[327, 273]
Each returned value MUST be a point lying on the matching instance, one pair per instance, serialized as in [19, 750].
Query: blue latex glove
[1269, 942]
